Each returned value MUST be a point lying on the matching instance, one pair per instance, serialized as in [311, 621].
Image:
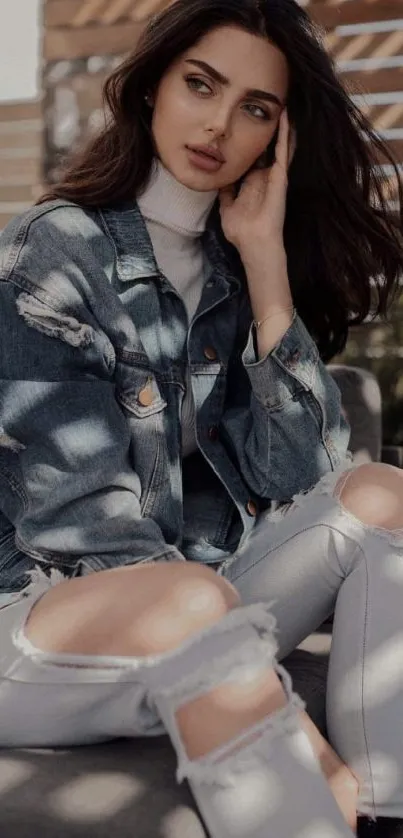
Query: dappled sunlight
[393, 568]
[182, 821]
[301, 749]
[80, 438]
[319, 828]
[13, 772]
[94, 797]
[95, 791]
[383, 676]
[257, 794]
[385, 771]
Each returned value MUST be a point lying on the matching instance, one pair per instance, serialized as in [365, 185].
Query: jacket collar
[135, 258]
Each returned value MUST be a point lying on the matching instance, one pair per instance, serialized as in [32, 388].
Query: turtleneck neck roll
[174, 206]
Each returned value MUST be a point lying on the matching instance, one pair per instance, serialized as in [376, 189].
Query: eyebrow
[214, 74]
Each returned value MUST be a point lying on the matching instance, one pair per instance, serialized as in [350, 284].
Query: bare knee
[373, 493]
[195, 600]
[143, 610]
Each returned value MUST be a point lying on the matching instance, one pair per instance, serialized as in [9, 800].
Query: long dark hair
[344, 244]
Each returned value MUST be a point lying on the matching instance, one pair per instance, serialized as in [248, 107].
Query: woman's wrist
[272, 331]
[268, 283]
[258, 255]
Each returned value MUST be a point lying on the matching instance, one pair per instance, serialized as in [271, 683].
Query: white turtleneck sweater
[175, 217]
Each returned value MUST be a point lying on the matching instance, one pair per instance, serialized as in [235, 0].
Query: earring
[148, 100]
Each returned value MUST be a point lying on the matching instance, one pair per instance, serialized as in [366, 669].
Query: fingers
[292, 145]
[282, 145]
[287, 141]
[256, 181]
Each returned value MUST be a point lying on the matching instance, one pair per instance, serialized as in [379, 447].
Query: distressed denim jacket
[94, 349]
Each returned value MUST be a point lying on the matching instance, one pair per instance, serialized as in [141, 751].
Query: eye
[259, 112]
[196, 84]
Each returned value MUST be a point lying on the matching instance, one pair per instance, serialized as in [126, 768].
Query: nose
[219, 122]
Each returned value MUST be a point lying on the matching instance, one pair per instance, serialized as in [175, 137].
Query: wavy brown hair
[344, 245]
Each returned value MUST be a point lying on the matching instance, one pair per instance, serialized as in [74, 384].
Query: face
[226, 93]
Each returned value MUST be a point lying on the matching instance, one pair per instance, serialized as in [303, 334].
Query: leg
[209, 669]
[343, 542]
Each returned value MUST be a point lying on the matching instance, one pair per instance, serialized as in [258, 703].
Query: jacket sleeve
[66, 479]
[283, 419]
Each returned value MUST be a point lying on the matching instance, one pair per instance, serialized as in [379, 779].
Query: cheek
[247, 151]
[259, 145]
[173, 107]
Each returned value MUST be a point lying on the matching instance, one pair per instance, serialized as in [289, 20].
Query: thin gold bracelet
[258, 323]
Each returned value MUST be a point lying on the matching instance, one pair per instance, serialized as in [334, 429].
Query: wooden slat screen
[20, 156]
[364, 36]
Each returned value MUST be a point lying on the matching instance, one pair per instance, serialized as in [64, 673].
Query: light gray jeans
[309, 560]
[297, 566]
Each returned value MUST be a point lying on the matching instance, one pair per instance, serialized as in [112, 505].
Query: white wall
[19, 49]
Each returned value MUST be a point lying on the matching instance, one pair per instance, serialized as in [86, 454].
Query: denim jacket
[94, 348]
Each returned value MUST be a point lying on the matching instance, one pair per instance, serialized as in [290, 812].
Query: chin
[192, 178]
[200, 182]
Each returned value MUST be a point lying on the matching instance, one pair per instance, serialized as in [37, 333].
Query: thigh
[50, 700]
[290, 560]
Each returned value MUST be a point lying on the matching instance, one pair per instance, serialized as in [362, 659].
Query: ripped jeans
[311, 559]
[298, 565]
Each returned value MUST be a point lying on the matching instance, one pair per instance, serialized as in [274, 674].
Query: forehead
[248, 61]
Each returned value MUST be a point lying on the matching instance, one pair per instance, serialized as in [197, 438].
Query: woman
[165, 313]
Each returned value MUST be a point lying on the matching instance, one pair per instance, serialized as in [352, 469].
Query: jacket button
[146, 396]
[251, 508]
[213, 433]
[210, 353]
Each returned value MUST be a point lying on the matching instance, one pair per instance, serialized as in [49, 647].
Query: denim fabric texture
[94, 347]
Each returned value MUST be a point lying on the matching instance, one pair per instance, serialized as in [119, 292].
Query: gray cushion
[362, 403]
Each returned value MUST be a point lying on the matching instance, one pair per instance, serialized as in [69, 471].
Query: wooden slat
[24, 194]
[396, 147]
[354, 11]
[76, 13]
[24, 172]
[378, 81]
[386, 117]
[70, 42]
[92, 40]
[380, 45]
[63, 12]
[20, 139]
[12, 111]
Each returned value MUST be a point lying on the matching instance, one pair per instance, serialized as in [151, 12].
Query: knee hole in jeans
[373, 493]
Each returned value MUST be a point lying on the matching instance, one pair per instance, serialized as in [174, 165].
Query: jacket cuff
[292, 363]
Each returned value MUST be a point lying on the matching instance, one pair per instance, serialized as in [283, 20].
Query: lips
[207, 151]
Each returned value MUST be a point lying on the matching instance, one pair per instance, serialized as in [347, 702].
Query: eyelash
[192, 80]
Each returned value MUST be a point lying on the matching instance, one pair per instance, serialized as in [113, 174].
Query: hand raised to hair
[256, 216]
